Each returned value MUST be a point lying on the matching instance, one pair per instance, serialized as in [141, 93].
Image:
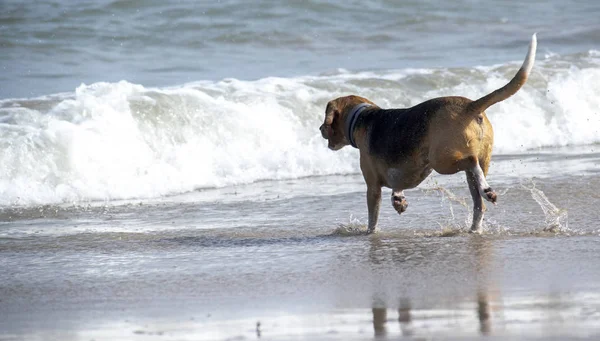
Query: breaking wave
[121, 140]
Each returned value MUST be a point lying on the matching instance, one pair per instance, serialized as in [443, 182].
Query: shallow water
[291, 255]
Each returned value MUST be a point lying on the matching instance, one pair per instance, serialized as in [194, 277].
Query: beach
[212, 264]
[197, 200]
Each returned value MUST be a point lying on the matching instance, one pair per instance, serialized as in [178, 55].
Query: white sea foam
[121, 140]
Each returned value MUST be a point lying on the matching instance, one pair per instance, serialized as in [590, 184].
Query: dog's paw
[476, 230]
[490, 195]
[400, 204]
[372, 231]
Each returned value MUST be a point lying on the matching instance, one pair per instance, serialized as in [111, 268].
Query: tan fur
[458, 137]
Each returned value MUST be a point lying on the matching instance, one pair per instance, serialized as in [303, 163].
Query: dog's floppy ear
[330, 116]
[329, 113]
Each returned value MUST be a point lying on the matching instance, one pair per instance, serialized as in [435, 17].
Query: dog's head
[336, 112]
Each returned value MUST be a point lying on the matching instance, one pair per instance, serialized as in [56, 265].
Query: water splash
[556, 219]
[451, 226]
[352, 228]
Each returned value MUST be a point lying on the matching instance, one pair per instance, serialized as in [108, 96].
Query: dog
[399, 148]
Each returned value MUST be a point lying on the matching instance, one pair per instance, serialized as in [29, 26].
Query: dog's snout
[323, 130]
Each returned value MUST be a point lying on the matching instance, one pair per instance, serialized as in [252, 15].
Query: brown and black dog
[400, 147]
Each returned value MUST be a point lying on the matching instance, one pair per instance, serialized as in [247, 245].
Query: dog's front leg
[373, 203]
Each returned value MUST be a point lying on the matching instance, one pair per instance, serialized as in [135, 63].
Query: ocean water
[163, 176]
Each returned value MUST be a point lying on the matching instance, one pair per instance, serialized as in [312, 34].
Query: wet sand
[286, 261]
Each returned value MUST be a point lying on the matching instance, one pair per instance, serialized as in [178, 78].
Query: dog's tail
[512, 87]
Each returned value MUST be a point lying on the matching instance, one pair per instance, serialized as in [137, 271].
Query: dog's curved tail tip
[530, 58]
[512, 87]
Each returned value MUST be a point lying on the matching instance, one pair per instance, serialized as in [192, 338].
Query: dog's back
[394, 134]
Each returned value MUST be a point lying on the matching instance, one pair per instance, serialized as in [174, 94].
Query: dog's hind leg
[471, 164]
[478, 206]
[399, 201]
[478, 187]
[373, 204]
[482, 186]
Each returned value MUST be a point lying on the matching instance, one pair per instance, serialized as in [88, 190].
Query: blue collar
[351, 121]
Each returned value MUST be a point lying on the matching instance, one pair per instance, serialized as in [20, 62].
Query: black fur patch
[394, 134]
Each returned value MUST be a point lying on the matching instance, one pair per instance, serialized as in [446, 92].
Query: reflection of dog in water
[400, 147]
[405, 317]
